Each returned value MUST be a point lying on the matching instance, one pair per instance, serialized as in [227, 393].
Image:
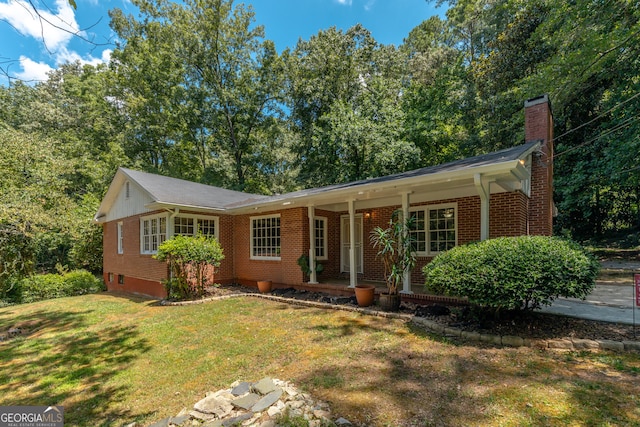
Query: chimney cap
[541, 99]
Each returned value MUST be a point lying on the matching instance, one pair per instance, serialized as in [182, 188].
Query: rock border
[256, 404]
[440, 329]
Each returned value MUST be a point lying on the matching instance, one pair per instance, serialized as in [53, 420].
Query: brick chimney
[538, 124]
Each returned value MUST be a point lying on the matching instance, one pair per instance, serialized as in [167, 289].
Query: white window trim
[257, 257]
[426, 209]
[147, 218]
[120, 238]
[196, 217]
[324, 242]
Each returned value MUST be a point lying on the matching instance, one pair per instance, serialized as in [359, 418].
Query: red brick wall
[508, 214]
[294, 238]
[142, 273]
[136, 267]
[225, 273]
[539, 126]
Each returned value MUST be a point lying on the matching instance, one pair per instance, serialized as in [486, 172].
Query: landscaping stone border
[440, 329]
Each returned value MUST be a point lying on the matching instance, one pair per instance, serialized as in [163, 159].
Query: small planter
[264, 286]
[389, 302]
[365, 295]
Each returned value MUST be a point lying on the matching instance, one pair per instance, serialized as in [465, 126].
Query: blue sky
[30, 47]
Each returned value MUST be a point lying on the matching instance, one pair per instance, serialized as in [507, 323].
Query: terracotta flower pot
[365, 295]
[264, 286]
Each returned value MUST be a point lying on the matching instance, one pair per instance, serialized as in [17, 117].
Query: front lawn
[111, 360]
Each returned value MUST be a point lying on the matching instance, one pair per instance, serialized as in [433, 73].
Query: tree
[201, 85]
[344, 92]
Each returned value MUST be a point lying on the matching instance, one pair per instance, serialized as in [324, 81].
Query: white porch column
[353, 268]
[406, 280]
[311, 211]
[483, 188]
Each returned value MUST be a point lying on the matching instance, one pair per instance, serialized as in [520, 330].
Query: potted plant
[395, 247]
[303, 262]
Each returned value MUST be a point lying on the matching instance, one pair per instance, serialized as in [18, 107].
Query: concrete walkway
[611, 300]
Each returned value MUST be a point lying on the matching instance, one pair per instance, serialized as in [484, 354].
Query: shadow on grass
[453, 383]
[66, 358]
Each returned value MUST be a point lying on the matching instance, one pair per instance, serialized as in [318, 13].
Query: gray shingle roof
[176, 191]
[505, 155]
[163, 189]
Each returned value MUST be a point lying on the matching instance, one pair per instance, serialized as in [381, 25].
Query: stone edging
[504, 340]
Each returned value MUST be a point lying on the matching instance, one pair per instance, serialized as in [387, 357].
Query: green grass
[112, 360]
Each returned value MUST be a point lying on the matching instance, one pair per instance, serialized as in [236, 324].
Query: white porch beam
[406, 279]
[484, 191]
[353, 268]
[311, 212]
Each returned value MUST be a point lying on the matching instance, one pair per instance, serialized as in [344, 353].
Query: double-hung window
[320, 237]
[434, 229]
[153, 231]
[265, 237]
[194, 225]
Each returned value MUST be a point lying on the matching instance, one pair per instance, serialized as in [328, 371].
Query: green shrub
[513, 273]
[47, 286]
[42, 286]
[193, 261]
[80, 282]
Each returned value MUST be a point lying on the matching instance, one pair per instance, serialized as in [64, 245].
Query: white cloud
[369, 5]
[65, 55]
[54, 30]
[345, 2]
[32, 71]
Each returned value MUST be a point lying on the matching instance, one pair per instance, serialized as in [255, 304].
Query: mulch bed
[534, 325]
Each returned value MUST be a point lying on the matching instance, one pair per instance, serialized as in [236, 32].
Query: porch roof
[504, 167]
[448, 180]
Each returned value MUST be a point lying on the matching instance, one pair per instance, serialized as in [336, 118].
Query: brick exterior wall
[143, 274]
[507, 214]
[539, 126]
[294, 241]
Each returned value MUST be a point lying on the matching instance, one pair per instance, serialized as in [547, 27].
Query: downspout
[170, 229]
[484, 192]
[170, 225]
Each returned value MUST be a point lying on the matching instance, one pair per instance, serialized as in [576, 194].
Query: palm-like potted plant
[395, 247]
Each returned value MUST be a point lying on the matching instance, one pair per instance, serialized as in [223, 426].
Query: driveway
[612, 299]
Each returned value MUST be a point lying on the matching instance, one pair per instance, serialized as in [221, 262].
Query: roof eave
[494, 169]
[169, 205]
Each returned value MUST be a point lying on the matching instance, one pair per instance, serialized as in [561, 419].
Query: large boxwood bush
[513, 273]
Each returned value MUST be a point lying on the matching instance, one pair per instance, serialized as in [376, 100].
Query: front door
[345, 243]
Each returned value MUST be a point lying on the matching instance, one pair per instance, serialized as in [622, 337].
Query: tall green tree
[202, 85]
[344, 92]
